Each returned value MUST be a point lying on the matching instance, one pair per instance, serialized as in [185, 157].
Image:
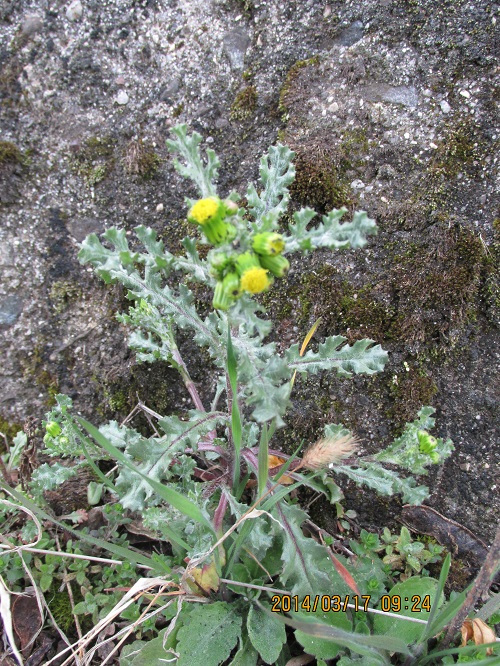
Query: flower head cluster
[250, 271]
[237, 272]
[211, 214]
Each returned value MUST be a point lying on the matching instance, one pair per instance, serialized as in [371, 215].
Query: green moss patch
[245, 104]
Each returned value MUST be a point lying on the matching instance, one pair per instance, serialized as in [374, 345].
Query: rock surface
[391, 108]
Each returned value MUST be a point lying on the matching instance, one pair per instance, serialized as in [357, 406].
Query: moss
[62, 293]
[35, 369]
[409, 392]
[318, 182]
[354, 145]
[178, 110]
[140, 160]
[113, 397]
[9, 429]
[61, 607]
[293, 72]
[95, 159]
[462, 149]
[437, 284]
[244, 104]
[10, 153]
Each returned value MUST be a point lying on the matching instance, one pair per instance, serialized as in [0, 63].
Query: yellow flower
[204, 210]
[255, 280]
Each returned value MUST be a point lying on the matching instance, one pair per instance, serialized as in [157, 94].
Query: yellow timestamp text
[325, 603]
[336, 603]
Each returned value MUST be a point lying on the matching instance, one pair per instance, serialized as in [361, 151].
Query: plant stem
[186, 378]
[481, 585]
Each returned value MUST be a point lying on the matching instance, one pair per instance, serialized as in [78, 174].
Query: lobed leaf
[360, 358]
[329, 233]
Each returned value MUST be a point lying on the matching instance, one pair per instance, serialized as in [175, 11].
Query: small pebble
[357, 184]
[74, 11]
[31, 25]
[433, 145]
[445, 107]
[465, 93]
[159, 208]
[122, 98]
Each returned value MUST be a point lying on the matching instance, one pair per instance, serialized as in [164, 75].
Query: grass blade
[439, 591]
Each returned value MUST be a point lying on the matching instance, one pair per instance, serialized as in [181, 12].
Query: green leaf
[247, 655]
[385, 481]
[277, 173]
[209, 634]
[405, 450]
[153, 456]
[48, 477]
[410, 632]
[329, 233]
[359, 643]
[45, 582]
[266, 633]
[445, 569]
[307, 567]
[320, 647]
[203, 174]
[182, 504]
[151, 653]
[361, 357]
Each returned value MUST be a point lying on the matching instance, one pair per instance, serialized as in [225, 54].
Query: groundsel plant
[209, 484]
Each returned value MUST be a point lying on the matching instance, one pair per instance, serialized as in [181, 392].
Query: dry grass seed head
[327, 451]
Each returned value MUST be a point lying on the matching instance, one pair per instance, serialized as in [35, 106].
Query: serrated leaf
[385, 481]
[203, 174]
[277, 173]
[181, 503]
[48, 477]
[360, 358]
[266, 633]
[405, 450]
[209, 634]
[329, 233]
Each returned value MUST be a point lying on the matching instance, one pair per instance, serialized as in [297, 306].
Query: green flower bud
[218, 232]
[231, 208]
[53, 428]
[219, 260]
[222, 300]
[427, 443]
[434, 456]
[278, 265]
[268, 244]
[231, 285]
[246, 261]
